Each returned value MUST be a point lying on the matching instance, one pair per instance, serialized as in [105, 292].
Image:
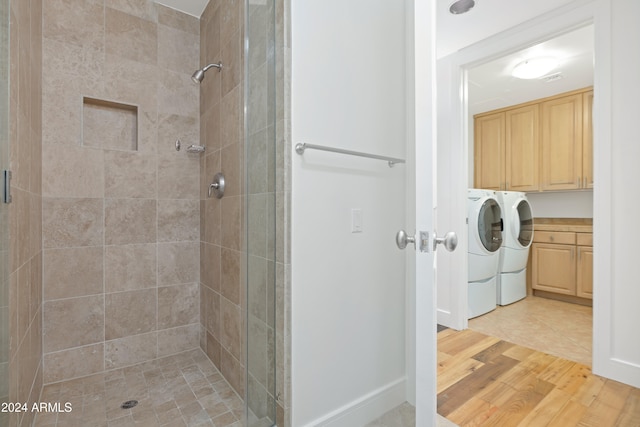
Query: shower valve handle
[217, 186]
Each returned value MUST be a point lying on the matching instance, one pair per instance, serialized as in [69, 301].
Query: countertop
[578, 225]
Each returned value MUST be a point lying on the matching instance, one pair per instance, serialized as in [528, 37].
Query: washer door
[523, 223]
[490, 225]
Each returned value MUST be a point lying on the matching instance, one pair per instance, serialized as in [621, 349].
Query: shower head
[198, 76]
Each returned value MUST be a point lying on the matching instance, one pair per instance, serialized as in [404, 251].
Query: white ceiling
[491, 85]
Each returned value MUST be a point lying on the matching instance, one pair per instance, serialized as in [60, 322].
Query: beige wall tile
[232, 370]
[212, 309]
[64, 60]
[231, 327]
[180, 50]
[210, 122]
[130, 350]
[72, 363]
[178, 263]
[72, 222]
[231, 215]
[230, 275]
[230, 18]
[130, 313]
[212, 220]
[178, 176]
[72, 171]
[178, 305]
[129, 221]
[129, 175]
[231, 56]
[177, 94]
[213, 350]
[210, 266]
[145, 9]
[178, 220]
[176, 340]
[69, 21]
[132, 82]
[231, 166]
[175, 126]
[131, 37]
[180, 21]
[73, 272]
[231, 122]
[130, 267]
[73, 322]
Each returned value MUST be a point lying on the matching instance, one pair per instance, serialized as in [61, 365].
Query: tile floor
[184, 390]
[554, 327]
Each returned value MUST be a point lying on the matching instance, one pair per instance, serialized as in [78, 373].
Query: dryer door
[490, 225]
[523, 223]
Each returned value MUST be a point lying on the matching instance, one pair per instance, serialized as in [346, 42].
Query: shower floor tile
[183, 390]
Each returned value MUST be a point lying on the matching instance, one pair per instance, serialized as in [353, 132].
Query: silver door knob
[449, 241]
[403, 239]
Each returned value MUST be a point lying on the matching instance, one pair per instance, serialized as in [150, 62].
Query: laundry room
[531, 154]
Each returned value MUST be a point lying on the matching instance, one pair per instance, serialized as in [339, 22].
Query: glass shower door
[261, 263]
[4, 208]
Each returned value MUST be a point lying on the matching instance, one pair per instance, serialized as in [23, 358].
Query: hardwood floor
[485, 381]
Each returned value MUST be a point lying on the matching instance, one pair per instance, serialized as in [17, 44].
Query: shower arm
[218, 66]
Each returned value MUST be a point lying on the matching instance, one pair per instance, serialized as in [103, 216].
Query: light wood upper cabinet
[521, 148]
[542, 145]
[587, 140]
[489, 152]
[506, 150]
[561, 143]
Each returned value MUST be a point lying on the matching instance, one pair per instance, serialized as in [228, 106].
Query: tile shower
[131, 262]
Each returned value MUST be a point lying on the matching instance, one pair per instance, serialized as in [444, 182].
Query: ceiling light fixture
[461, 6]
[534, 67]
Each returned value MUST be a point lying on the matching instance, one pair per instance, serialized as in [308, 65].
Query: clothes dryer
[485, 240]
[517, 218]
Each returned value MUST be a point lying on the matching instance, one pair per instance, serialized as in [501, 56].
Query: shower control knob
[216, 188]
[403, 239]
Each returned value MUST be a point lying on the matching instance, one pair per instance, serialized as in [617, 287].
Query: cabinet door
[561, 143]
[554, 268]
[584, 279]
[587, 138]
[522, 149]
[489, 152]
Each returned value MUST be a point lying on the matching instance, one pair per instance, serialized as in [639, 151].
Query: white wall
[570, 204]
[348, 296]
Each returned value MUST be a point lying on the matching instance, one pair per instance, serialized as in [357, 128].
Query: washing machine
[485, 240]
[517, 218]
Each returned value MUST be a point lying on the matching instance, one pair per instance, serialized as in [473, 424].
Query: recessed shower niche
[109, 125]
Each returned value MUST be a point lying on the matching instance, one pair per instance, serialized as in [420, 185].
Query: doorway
[454, 131]
[558, 323]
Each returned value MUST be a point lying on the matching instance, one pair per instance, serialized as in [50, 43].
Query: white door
[422, 286]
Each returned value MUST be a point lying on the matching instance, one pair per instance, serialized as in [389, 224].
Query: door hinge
[6, 187]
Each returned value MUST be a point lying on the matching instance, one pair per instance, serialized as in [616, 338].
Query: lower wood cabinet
[562, 263]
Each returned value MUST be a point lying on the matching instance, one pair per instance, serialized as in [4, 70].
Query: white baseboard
[366, 408]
